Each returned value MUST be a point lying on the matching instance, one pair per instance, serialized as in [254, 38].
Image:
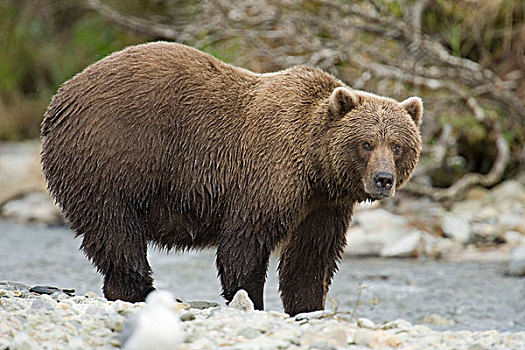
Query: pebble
[31, 321]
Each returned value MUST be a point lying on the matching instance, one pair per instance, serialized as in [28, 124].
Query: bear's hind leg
[122, 259]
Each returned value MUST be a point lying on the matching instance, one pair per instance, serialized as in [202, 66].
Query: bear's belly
[182, 230]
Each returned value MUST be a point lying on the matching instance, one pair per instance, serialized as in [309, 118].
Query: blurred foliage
[490, 32]
[42, 44]
[45, 42]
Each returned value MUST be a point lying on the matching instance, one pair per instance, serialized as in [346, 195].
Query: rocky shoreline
[60, 321]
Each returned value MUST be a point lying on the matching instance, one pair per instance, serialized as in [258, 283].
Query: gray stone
[44, 302]
[378, 220]
[76, 344]
[249, 332]
[516, 263]
[456, 227]
[59, 296]
[14, 286]
[201, 305]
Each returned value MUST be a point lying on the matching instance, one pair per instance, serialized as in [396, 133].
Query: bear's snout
[384, 181]
[382, 185]
[379, 180]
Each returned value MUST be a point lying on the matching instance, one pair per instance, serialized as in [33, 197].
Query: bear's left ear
[342, 100]
[414, 107]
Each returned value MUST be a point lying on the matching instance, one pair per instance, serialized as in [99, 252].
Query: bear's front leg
[310, 258]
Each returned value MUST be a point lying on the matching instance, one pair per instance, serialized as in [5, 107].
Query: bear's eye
[367, 146]
[396, 149]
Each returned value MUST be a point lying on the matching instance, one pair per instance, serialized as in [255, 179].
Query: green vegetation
[44, 43]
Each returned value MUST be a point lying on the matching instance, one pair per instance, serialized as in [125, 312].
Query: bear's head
[374, 142]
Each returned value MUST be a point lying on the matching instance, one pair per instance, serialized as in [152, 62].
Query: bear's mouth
[377, 195]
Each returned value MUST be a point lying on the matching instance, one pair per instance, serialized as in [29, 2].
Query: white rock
[328, 337]
[410, 245]
[468, 210]
[378, 220]
[511, 222]
[397, 324]
[508, 190]
[516, 263]
[242, 301]
[312, 315]
[36, 206]
[372, 230]
[362, 243]
[366, 323]
[364, 336]
[455, 227]
[22, 341]
[20, 169]
[513, 237]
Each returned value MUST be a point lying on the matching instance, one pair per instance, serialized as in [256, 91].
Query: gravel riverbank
[59, 321]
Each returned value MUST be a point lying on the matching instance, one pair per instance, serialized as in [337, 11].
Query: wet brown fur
[161, 143]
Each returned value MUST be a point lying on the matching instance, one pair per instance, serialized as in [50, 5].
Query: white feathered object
[156, 327]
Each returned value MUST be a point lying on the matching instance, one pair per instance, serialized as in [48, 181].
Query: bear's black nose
[384, 180]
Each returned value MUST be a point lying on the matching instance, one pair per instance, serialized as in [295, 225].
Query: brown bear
[163, 144]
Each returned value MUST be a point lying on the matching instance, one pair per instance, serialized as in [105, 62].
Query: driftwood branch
[459, 188]
[135, 24]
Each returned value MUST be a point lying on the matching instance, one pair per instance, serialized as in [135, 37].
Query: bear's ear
[414, 107]
[342, 100]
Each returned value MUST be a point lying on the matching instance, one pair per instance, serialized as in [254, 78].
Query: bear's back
[151, 82]
[154, 118]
